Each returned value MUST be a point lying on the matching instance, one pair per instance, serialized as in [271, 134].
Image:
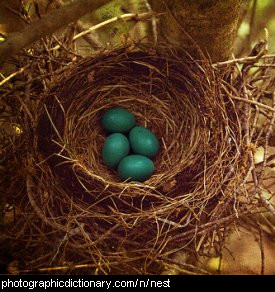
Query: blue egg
[143, 142]
[135, 168]
[115, 148]
[118, 120]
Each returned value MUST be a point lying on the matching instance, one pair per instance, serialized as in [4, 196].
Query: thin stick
[59, 268]
[46, 26]
[124, 17]
[91, 39]
[262, 249]
[254, 102]
[21, 70]
[243, 60]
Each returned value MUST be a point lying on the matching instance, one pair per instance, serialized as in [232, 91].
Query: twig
[64, 47]
[209, 226]
[268, 134]
[38, 211]
[264, 65]
[254, 102]
[59, 268]
[18, 14]
[124, 17]
[265, 202]
[262, 249]
[21, 70]
[91, 39]
[244, 60]
[175, 224]
[47, 26]
[71, 232]
[46, 75]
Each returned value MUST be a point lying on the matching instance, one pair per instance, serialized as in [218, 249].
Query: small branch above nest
[124, 17]
[46, 26]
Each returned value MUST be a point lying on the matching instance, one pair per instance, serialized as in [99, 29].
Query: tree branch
[92, 39]
[46, 26]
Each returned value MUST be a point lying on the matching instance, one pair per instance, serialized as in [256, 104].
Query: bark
[10, 21]
[210, 25]
[46, 26]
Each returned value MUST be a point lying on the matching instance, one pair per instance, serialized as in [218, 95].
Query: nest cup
[112, 221]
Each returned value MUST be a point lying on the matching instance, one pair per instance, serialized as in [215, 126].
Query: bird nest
[196, 170]
[85, 214]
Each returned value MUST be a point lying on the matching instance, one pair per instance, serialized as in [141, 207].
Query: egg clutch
[129, 148]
